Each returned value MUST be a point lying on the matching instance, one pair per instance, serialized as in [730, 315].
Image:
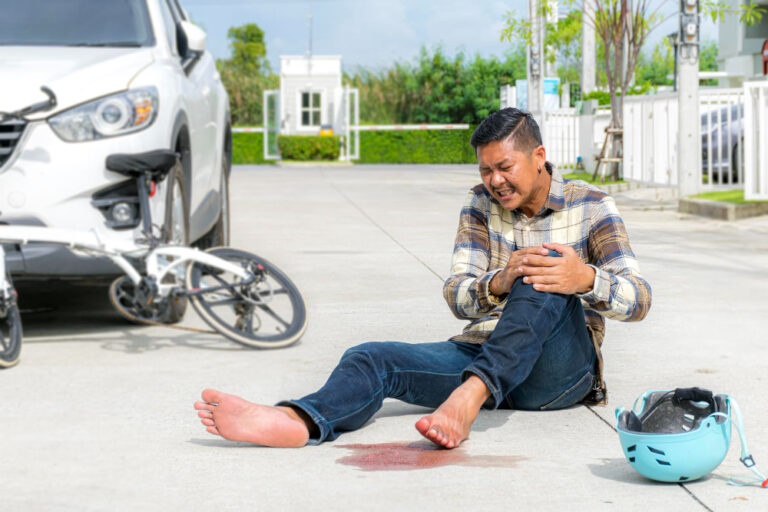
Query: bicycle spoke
[274, 315]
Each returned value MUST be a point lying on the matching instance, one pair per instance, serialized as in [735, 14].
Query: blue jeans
[538, 357]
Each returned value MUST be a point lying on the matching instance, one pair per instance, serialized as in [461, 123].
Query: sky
[375, 33]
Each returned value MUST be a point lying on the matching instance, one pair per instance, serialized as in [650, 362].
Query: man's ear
[539, 156]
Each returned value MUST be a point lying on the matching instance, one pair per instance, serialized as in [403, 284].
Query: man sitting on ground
[538, 262]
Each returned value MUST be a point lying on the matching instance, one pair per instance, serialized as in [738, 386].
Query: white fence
[561, 137]
[755, 147]
[651, 126]
[650, 139]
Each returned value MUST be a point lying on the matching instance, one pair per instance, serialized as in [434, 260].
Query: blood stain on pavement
[418, 455]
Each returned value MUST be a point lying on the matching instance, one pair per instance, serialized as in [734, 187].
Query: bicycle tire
[217, 313]
[10, 337]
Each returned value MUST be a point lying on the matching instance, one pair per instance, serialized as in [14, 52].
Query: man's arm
[609, 282]
[466, 290]
[619, 291]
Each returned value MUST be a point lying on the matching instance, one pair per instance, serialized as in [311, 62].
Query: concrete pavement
[98, 415]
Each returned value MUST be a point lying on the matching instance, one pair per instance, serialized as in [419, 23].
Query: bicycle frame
[160, 261]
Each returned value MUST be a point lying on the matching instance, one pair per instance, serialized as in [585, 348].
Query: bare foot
[233, 418]
[450, 424]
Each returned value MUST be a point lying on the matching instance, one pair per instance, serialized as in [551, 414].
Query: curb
[312, 163]
[720, 210]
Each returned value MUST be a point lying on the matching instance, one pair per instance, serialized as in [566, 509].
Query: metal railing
[722, 136]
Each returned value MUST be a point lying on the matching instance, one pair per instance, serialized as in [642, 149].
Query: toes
[208, 422]
[423, 425]
[205, 414]
[212, 396]
[204, 406]
[213, 430]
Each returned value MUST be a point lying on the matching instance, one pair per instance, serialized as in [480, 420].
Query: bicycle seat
[156, 164]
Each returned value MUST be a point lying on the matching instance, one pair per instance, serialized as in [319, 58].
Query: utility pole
[535, 61]
[689, 136]
[309, 50]
[588, 49]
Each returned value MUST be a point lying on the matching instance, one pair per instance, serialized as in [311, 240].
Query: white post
[689, 136]
[588, 48]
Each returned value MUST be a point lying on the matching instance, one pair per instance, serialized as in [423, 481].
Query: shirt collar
[556, 198]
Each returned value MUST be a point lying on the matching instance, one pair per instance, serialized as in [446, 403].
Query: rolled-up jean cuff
[495, 399]
[310, 411]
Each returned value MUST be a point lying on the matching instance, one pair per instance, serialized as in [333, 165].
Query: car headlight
[113, 115]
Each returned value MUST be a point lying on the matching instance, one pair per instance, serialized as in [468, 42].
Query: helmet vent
[632, 448]
[654, 450]
[663, 462]
[683, 478]
[631, 459]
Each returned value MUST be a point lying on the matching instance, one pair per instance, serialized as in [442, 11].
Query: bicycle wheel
[10, 336]
[267, 313]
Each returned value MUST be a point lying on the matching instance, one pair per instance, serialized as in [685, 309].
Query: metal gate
[351, 123]
[271, 124]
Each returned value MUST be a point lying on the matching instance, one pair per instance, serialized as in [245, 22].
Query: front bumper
[49, 182]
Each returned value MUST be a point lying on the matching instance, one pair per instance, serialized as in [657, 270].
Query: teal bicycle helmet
[680, 435]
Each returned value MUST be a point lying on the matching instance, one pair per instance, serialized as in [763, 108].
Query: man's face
[511, 176]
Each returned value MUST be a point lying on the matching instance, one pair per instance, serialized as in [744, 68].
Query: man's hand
[566, 275]
[503, 281]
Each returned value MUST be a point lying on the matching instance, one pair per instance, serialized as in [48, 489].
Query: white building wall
[320, 74]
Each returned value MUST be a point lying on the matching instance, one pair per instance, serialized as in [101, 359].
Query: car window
[75, 23]
[170, 25]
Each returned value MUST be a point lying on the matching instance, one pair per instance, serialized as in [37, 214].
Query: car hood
[75, 75]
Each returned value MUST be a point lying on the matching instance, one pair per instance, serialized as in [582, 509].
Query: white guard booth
[311, 98]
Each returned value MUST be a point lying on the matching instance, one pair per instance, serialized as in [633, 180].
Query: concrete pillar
[588, 48]
[535, 63]
[689, 133]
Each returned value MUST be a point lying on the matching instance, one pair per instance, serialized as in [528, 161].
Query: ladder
[602, 158]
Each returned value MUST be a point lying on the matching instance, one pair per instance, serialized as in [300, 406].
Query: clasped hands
[566, 274]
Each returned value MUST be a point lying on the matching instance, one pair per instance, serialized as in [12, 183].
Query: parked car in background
[723, 160]
[128, 76]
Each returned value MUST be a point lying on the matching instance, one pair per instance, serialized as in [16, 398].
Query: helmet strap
[746, 457]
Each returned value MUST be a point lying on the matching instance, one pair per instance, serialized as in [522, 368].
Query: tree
[246, 74]
[435, 87]
[624, 25]
[249, 51]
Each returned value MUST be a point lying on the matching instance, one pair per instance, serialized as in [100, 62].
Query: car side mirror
[195, 36]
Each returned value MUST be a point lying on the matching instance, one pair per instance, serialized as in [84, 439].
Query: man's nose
[496, 178]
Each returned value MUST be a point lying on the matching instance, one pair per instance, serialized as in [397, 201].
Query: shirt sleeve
[466, 290]
[619, 292]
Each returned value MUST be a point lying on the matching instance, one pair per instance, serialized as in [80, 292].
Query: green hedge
[308, 147]
[417, 147]
[248, 148]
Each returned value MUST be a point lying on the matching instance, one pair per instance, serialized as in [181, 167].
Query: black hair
[508, 123]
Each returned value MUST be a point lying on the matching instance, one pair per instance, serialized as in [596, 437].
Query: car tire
[176, 231]
[735, 162]
[219, 234]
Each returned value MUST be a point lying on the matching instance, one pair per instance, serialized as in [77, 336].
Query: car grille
[10, 133]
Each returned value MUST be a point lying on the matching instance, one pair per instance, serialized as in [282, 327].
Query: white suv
[126, 76]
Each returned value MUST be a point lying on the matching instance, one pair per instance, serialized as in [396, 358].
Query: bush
[248, 148]
[417, 147]
[312, 147]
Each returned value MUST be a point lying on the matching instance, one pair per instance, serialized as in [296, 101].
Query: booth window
[310, 108]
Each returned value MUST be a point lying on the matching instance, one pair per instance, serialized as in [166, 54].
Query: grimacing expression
[509, 174]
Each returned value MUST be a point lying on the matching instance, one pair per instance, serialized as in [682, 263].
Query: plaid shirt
[575, 214]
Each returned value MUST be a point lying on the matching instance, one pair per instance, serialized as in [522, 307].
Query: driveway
[98, 415]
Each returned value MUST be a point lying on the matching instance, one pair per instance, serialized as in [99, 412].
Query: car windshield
[75, 23]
